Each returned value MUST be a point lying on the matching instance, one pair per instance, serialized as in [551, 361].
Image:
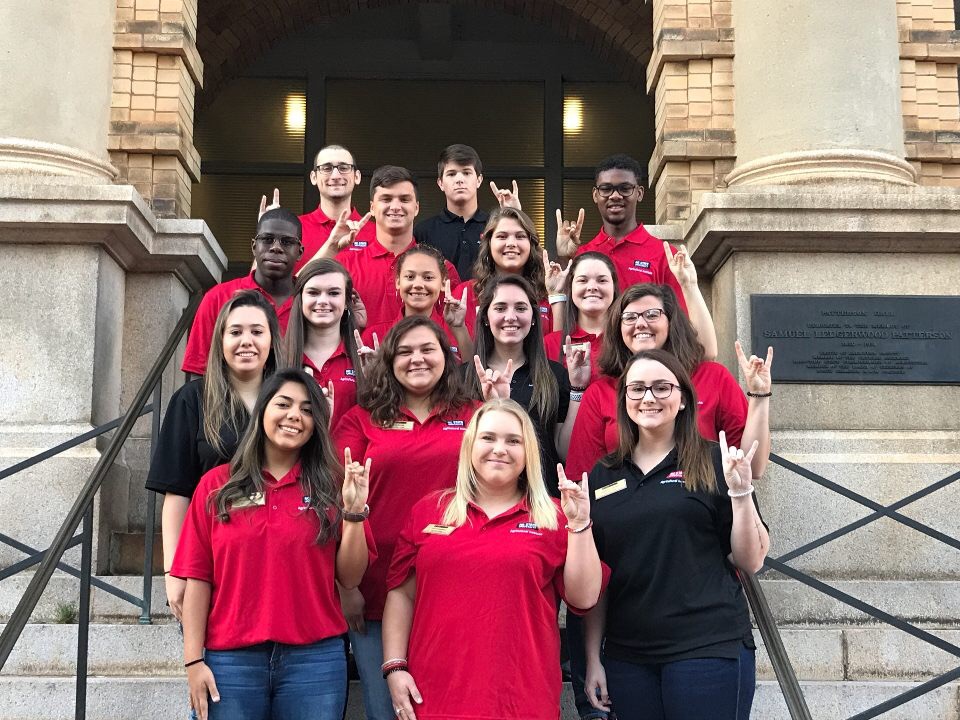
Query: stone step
[151, 698]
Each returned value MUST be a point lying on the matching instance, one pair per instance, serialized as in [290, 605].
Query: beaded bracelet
[759, 395]
[583, 529]
[746, 492]
[398, 668]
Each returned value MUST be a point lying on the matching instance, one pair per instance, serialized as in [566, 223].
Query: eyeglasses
[623, 189]
[661, 390]
[328, 168]
[285, 241]
[651, 315]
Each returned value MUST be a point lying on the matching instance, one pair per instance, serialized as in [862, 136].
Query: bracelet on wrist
[554, 298]
[759, 395]
[357, 517]
[576, 531]
[746, 492]
[398, 668]
[193, 662]
[576, 395]
[391, 662]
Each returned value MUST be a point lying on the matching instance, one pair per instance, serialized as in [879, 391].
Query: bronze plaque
[883, 339]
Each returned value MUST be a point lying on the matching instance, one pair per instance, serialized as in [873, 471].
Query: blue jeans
[368, 654]
[578, 669]
[699, 689]
[272, 681]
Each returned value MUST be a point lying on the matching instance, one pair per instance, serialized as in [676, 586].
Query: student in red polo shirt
[265, 539]
[470, 626]
[206, 417]
[321, 334]
[509, 245]
[637, 255]
[410, 420]
[394, 205]
[276, 247]
[421, 276]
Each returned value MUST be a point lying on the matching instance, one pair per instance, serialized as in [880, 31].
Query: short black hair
[387, 176]
[281, 213]
[462, 155]
[622, 162]
[353, 158]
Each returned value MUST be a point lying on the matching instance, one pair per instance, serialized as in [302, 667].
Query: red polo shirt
[555, 340]
[270, 580]
[638, 257]
[546, 314]
[382, 329]
[486, 605]
[721, 405]
[371, 266]
[410, 460]
[339, 369]
[201, 332]
[317, 228]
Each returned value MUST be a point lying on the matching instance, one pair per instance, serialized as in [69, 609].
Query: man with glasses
[638, 256]
[276, 249]
[335, 175]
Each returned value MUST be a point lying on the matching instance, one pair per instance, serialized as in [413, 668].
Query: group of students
[426, 466]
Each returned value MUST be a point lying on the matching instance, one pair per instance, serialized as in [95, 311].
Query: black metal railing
[81, 513]
[792, 691]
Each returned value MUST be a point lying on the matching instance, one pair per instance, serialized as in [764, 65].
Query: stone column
[818, 93]
[56, 74]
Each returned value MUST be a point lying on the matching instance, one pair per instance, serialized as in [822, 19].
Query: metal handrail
[84, 504]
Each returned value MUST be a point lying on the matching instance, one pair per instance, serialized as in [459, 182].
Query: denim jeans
[699, 689]
[272, 681]
[578, 668]
[368, 655]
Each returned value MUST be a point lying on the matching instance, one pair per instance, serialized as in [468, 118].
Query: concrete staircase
[845, 665]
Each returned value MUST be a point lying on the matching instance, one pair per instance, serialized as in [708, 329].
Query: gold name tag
[438, 529]
[253, 501]
[612, 488]
[408, 425]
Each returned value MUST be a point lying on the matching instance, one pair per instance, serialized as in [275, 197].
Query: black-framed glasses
[328, 168]
[651, 315]
[286, 241]
[661, 390]
[623, 189]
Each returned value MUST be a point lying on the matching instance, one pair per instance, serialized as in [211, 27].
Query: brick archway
[233, 33]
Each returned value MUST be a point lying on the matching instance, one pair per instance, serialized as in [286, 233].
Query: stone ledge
[930, 45]
[715, 145]
[116, 218]
[678, 44]
[163, 38]
[809, 218]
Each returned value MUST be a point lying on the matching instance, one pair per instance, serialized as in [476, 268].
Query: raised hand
[328, 393]
[568, 233]
[736, 466]
[493, 383]
[263, 203]
[681, 265]
[403, 694]
[506, 198]
[356, 483]
[574, 499]
[578, 363]
[345, 231]
[756, 371]
[454, 309]
[554, 274]
[359, 310]
[366, 354]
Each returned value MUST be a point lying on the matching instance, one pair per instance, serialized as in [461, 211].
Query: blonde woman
[476, 580]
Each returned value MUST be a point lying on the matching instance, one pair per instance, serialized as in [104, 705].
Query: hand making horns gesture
[756, 371]
[506, 198]
[356, 483]
[366, 354]
[263, 203]
[555, 275]
[454, 309]
[568, 233]
[493, 383]
[345, 231]
[736, 467]
[574, 499]
[578, 363]
[681, 265]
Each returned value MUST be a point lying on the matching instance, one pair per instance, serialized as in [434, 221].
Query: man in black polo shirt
[455, 232]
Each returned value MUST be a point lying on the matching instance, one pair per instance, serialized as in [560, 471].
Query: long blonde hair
[543, 511]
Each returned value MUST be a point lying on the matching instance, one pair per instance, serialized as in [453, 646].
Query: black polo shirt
[183, 453]
[673, 594]
[521, 391]
[456, 238]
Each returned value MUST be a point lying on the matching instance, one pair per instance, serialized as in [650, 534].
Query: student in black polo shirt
[675, 519]
[456, 231]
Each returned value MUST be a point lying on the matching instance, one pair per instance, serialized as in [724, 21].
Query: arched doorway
[543, 92]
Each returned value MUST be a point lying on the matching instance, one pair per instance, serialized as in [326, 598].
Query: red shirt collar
[378, 250]
[638, 236]
[521, 506]
[292, 476]
[321, 218]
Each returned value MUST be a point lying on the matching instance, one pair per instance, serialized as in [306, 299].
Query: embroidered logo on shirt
[349, 372]
[641, 264]
[675, 475]
[527, 528]
[306, 504]
[455, 425]
[359, 244]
